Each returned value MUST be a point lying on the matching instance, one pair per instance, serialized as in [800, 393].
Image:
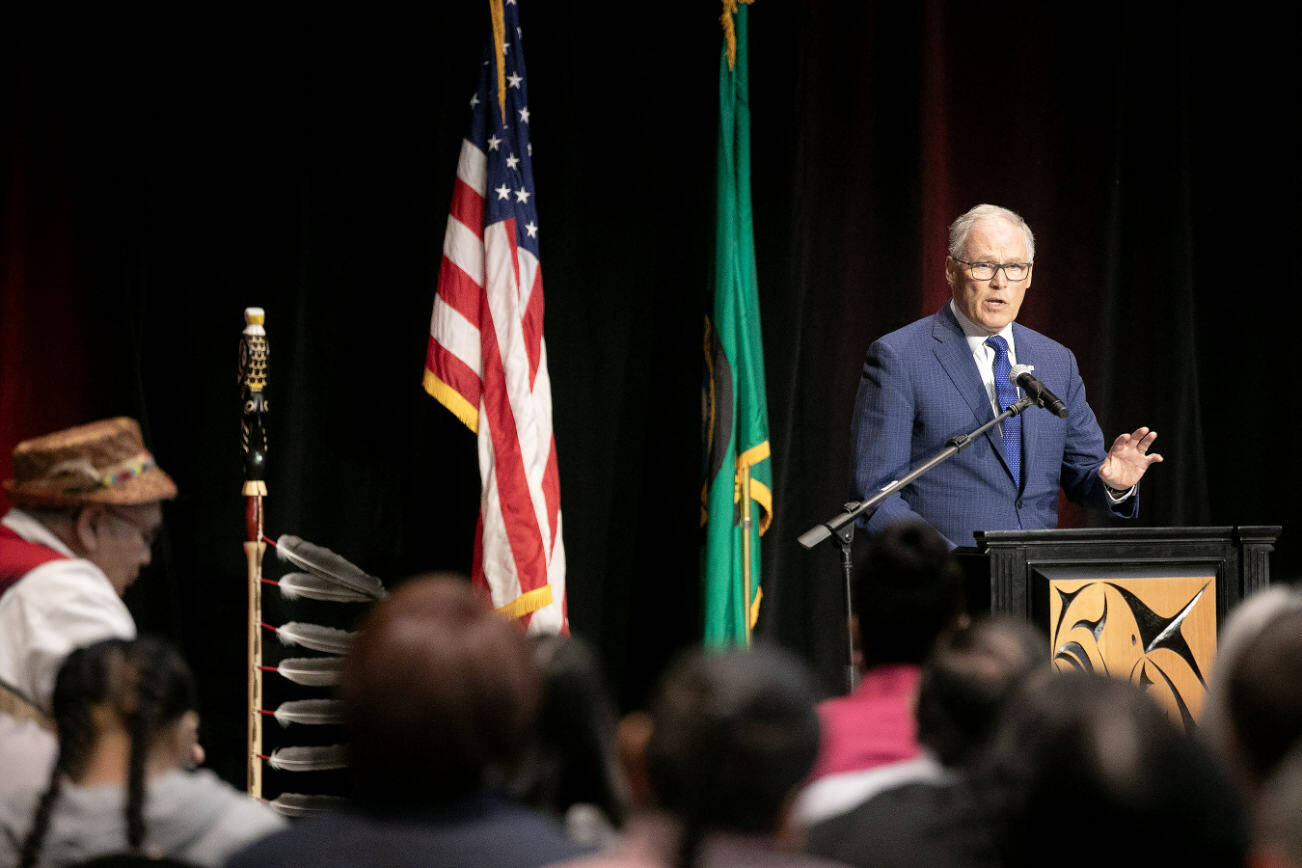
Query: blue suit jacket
[921, 386]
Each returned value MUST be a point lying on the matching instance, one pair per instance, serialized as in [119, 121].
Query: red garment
[874, 725]
[18, 557]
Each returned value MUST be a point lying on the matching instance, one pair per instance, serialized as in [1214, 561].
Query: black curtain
[156, 188]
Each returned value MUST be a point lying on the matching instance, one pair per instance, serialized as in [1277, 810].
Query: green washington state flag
[735, 423]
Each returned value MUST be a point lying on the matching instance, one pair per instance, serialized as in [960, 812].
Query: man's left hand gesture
[1128, 459]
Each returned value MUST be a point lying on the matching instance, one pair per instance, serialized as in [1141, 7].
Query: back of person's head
[907, 589]
[141, 687]
[135, 861]
[1277, 821]
[1079, 754]
[1240, 630]
[733, 734]
[1263, 698]
[439, 693]
[571, 756]
[1277, 815]
[970, 676]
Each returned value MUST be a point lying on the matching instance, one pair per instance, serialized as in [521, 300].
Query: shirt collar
[976, 336]
[27, 527]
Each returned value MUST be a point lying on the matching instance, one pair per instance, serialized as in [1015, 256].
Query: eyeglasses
[1014, 271]
[147, 532]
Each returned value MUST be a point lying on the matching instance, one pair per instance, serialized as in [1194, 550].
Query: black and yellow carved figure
[253, 370]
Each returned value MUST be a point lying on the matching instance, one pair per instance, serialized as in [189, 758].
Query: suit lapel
[952, 351]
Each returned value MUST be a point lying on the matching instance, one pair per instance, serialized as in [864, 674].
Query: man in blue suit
[946, 373]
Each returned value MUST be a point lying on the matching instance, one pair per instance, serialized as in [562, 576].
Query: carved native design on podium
[1157, 633]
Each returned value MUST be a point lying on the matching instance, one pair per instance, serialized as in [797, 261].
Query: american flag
[486, 360]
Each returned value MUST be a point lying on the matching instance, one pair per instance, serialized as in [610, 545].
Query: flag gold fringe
[499, 40]
[759, 492]
[526, 603]
[729, 32]
[451, 398]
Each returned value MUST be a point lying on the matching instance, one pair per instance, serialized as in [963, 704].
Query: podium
[1144, 604]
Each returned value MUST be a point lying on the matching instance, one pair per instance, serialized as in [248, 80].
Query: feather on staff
[309, 712]
[302, 805]
[295, 585]
[327, 639]
[326, 564]
[309, 671]
[309, 759]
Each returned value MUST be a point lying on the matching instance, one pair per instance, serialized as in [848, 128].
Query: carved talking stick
[253, 442]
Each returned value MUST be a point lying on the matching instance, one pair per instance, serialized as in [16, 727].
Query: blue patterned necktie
[1007, 393]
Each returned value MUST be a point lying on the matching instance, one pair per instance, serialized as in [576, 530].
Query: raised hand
[1128, 459]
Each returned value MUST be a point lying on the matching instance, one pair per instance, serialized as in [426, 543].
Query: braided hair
[146, 686]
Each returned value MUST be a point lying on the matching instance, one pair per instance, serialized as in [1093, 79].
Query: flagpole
[745, 549]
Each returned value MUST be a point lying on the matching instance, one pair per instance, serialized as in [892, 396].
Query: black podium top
[1005, 566]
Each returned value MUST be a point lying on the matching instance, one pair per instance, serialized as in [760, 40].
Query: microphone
[1038, 392]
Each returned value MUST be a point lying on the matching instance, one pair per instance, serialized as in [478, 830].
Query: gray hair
[959, 229]
[1248, 621]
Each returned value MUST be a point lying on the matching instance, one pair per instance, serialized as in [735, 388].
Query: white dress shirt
[984, 356]
[56, 608]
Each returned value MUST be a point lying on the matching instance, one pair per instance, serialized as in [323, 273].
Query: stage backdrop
[154, 188]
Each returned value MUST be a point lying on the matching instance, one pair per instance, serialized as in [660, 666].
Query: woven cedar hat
[103, 462]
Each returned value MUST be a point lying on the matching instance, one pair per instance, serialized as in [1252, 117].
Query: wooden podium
[1143, 604]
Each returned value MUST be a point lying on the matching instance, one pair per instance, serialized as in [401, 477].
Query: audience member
[1253, 712]
[908, 589]
[27, 753]
[731, 735]
[1264, 699]
[1086, 770]
[966, 684]
[126, 722]
[1277, 820]
[570, 770]
[439, 696]
[85, 512]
